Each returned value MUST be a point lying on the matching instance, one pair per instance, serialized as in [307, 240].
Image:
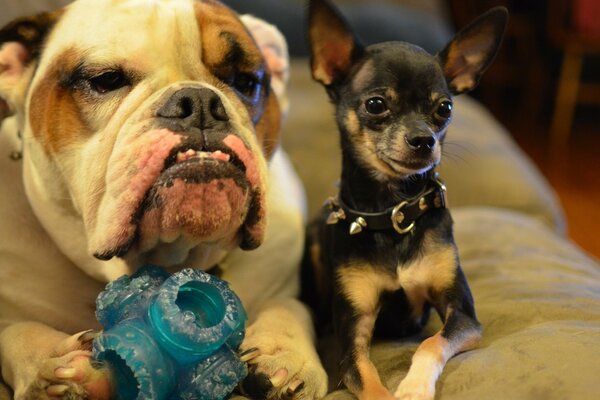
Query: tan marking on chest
[433, 272]
[362, 285]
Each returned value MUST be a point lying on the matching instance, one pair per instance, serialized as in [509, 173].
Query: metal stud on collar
[357, 226]
[336, 213]
[335, 216]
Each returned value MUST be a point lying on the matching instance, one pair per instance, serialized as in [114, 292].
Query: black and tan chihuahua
[382, 253]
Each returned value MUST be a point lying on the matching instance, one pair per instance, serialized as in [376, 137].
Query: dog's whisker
[466, 146]
[454, 157]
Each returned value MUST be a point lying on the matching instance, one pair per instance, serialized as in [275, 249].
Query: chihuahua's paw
[70, 373]
[278, 368]
[414, 389]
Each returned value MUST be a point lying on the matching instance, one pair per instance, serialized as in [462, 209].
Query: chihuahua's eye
[444, 110]
[376, 105]
[245, 84]
[108, 81]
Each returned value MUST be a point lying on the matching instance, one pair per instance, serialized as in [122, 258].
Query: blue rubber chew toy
[171, 337]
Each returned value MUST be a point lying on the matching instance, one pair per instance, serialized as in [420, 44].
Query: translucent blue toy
[171, 337]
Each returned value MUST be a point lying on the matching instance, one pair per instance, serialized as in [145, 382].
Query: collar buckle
[408, 211]
[398, 216]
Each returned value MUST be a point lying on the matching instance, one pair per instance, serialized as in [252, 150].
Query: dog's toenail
[65, 373]
[87, 336]
[295, 387]
[57, 390]
[249, 354]
[278, 377]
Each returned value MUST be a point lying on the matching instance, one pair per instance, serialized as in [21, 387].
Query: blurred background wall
[545, 87]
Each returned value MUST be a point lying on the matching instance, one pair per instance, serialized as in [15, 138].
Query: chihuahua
[382, 253]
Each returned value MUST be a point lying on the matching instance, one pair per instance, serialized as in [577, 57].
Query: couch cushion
[482, 165]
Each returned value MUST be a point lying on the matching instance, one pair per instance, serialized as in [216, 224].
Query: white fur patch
[158, 41]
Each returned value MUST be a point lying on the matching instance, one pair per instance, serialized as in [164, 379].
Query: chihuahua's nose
[195, 108]
[422, 141]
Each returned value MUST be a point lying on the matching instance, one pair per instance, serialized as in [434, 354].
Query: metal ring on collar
[397, 218]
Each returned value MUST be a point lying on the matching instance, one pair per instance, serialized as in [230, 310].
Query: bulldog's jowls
[145, 128]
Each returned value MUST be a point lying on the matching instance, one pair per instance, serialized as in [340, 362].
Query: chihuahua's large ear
[333, 45]
[21, 42]
[473, 49]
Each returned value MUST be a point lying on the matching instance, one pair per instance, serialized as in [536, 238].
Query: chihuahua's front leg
[355, 311]
[461, 332]
[39, 363]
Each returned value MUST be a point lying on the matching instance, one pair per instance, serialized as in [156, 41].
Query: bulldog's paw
[70, 373]
[279, 370]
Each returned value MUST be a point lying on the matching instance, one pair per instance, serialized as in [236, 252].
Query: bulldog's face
[147, 122]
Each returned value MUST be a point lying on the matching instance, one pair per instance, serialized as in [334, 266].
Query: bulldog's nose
[195, 108]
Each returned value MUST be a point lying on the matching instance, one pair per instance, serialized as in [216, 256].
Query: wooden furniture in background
[516, 85]
[574, 27]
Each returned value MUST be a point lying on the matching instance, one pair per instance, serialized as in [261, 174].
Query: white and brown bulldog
[144, 127]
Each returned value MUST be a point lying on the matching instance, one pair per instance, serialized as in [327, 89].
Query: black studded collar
[401, 217]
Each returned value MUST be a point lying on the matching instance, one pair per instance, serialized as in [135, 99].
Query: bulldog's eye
[245, 84]
[108, 81]
[444, 110]
[376, 106]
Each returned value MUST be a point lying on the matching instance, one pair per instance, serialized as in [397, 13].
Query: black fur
[388, 157]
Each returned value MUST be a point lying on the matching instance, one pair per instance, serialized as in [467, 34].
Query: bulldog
[145, 131]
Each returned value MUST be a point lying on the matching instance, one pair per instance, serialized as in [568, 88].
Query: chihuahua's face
[394, 100]
[393, 110]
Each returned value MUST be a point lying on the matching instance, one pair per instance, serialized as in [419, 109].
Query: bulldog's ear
[21, 42]
[472, 50]
[274, 48]
[333, 46]
[13, 59]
